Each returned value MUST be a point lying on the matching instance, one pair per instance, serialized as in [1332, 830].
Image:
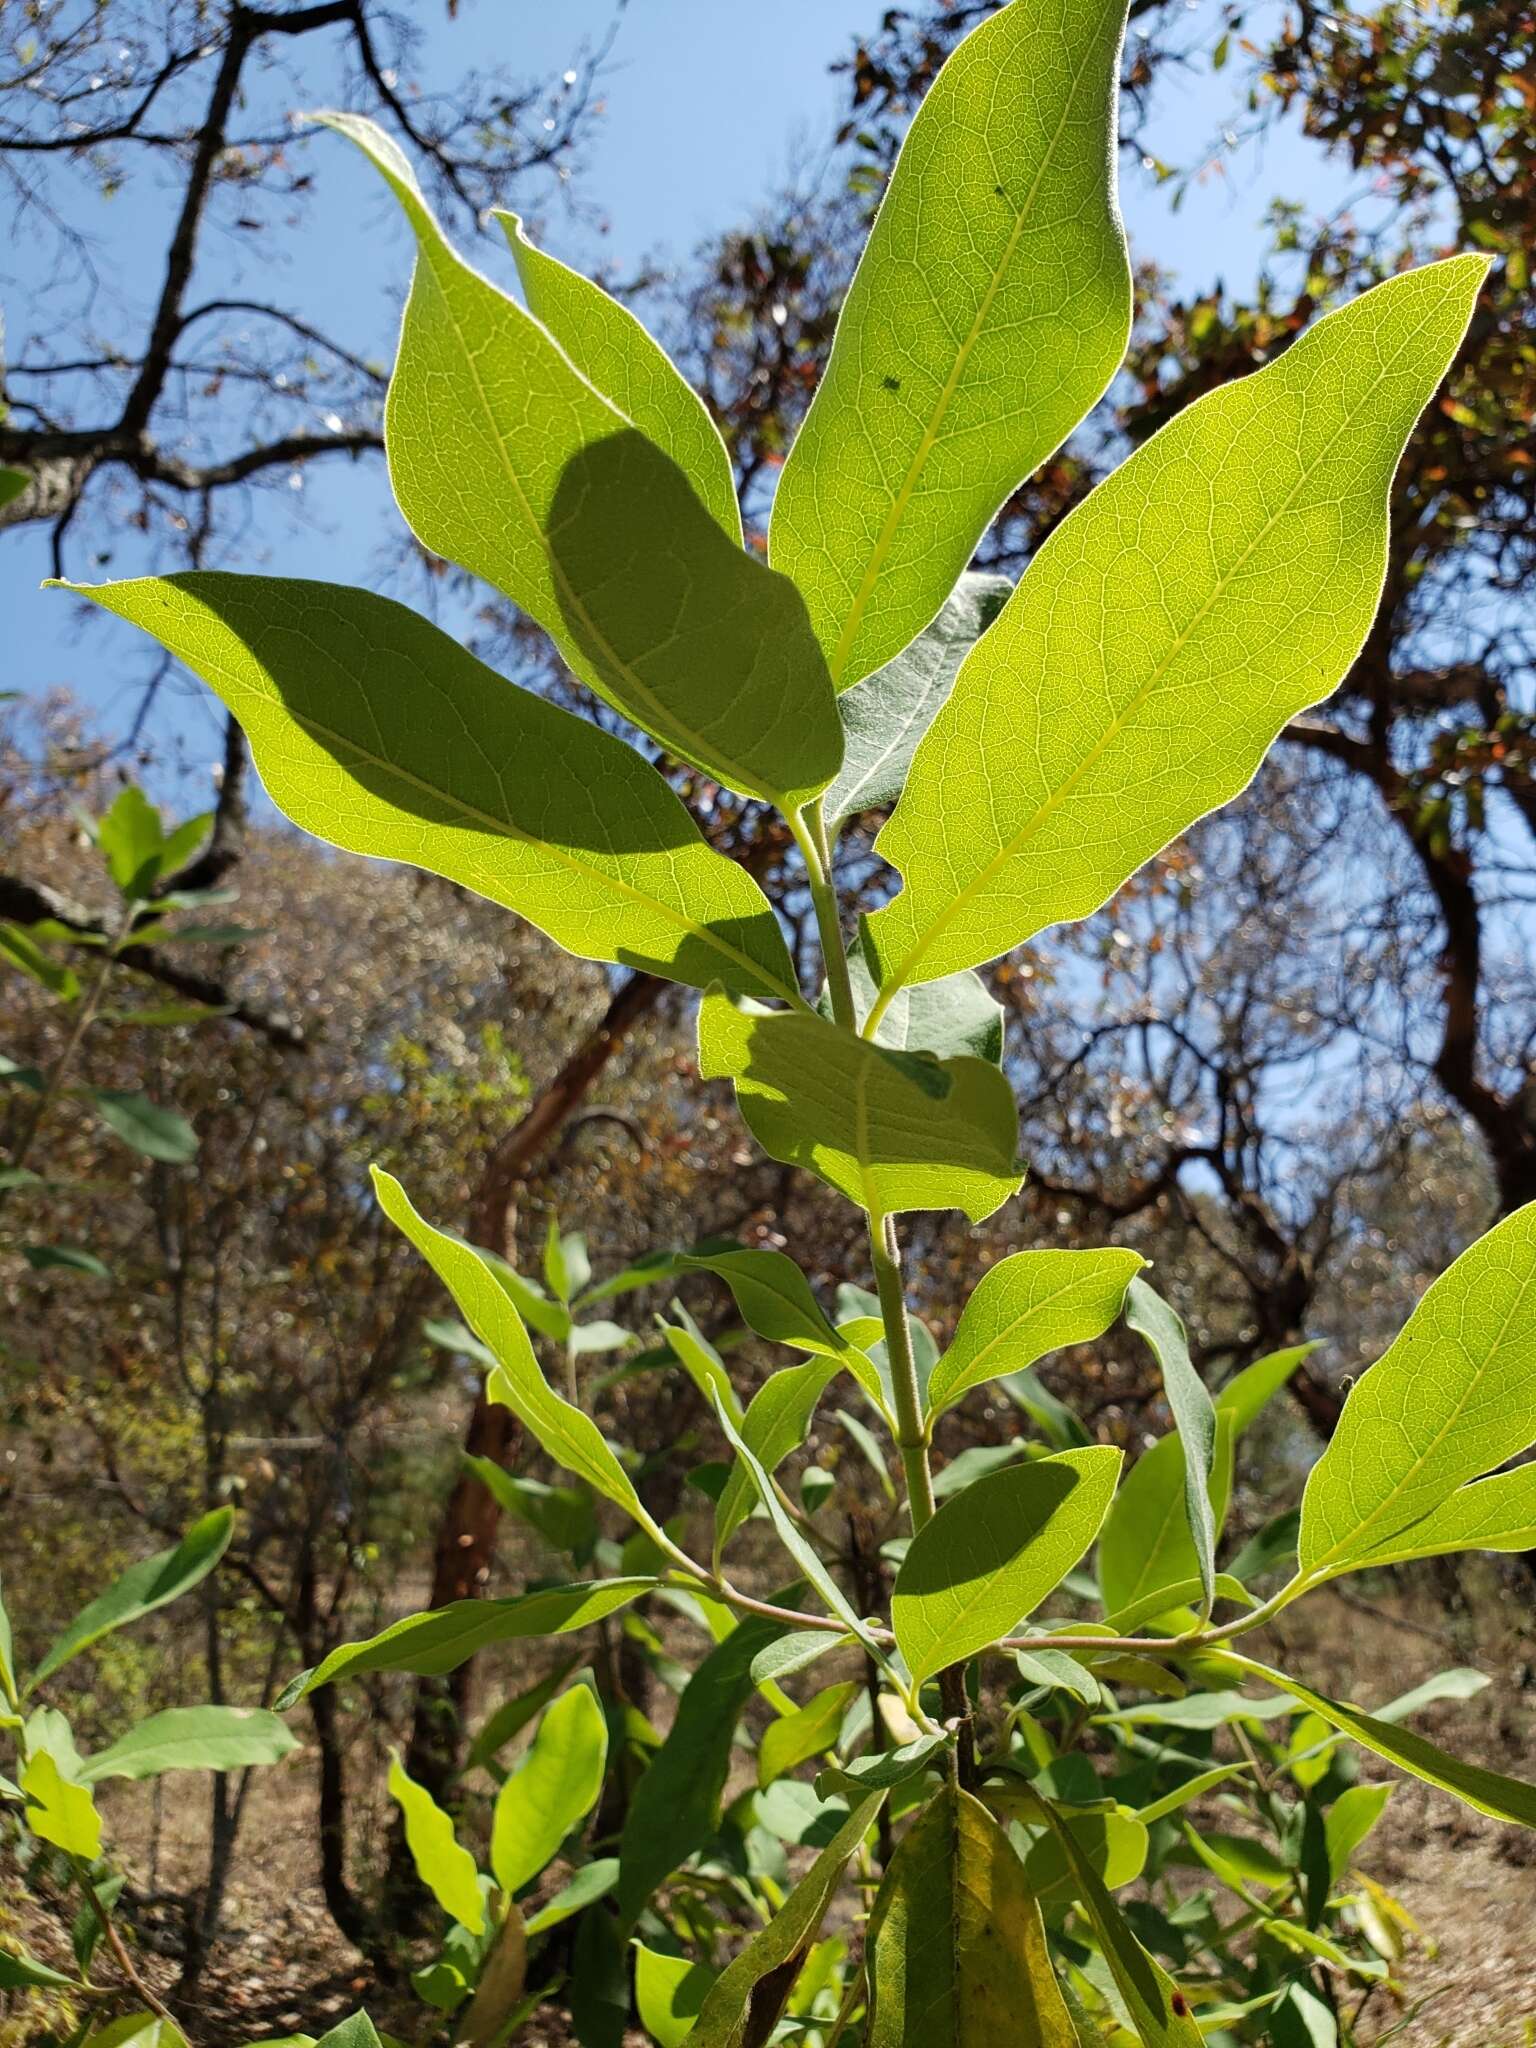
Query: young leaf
[885, 716]
[439, 1640]
[669, 1990]
[1194, 1417]
[594, 1880]
[810, 1731]
[192, 1739]
[616, 355]
[957, 1951]
[990, 308]
[676, 1805]
[570, 1437]
[143, 1588]
[700, 1360]
[157, 1133]
[505, 459]
[889, 1130]
[373, 730]
[555, 1786]
[748, 1998]
[442, 1862]
[1487, 1791]
[1128, 689]
[1146, 1542]
[25, 1973]
[59, 1811]
[131, 837]
[1490, 1514]
[1452, 1397]
[1350, 1819]
[1026, 1306]
[513, 1716]
[776, 1422]
[991, 1554]
[24, 953]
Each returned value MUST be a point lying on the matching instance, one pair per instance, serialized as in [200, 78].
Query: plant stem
[810, 830]
[116, 1943]
[84, 1017]
[911, 1438]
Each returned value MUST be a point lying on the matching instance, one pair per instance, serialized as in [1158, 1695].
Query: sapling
[1213, 587]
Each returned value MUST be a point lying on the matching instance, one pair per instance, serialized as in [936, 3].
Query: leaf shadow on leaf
[721, 644]
[936, 1569]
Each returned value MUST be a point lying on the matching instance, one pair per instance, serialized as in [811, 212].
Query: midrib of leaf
[572, 597]
[1112, 731]
[930, 438]
[1345, 1543]
[317, 729]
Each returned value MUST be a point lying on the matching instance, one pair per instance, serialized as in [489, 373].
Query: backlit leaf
[143, 1588]
[157, 1133]
[1026, 1306]
[556, 1785]
[1194, 1416]
[192, 1739]
[59, 1811]
[442, 1863]
[669, 1991]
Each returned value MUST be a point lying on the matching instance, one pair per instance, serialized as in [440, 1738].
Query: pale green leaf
[24, 953]
[1114, 1843]
[1223, 579]
[131, 837]
[1249, 1392]
[593, 1881]
[554, 1787]
[1026, 1306]
[956, 1946]
[749, 1996]
[885, 716]
[25, 1973]
[989, 310]
[192, 1739]
[513, 1715]
[956, 1015]
[1146, 1544]
[669, 1990]
[143, 1588]
[616, 355]
[810, 1731]
[570, 1437]
[1487, 1791]
[58, 1810]
[991, 1554]
[1489, 1514]
[440, 1639]
[701, 1361]
[138, 2030]
[1452, 1397]
[442, 1862]
[773, 1295]
[506, 460]
[1350, 1819]
[1194, 1416]
[891, 1131]
[777, 1421]
[375, 731]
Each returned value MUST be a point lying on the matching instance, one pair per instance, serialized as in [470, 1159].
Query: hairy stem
[911, 1438]
[810, 830]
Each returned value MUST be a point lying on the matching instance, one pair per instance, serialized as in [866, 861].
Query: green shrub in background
[1221, 581]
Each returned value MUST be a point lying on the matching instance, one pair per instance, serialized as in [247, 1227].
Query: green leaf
[700, 1360]
[1487, 1791]
[1453, 1396]
[441, 1638]
[1055, 1421]
[749, 1995]
[593, 1881]
[616, 355]
[554, 1787]
[888, 1130]
[882, 1770]
[24, 1972]
[138, 2030]
[597, 1991]
[991, 1554]
[1490, 1514]
[1158, 2011]
[23, 952]
[676, 1805]
[157, 1133]
[131, 837]
[7, 1654]
[442, 1862]
[513, 1716]
[355, 2031]
[777, 1421]
[69, 1258]
[567, 1265]
[1194, 1417]
[1114, 1843]
[143, 1588]
[59, 1811]
[811, 1731]
[774, 1297]
[563, 1515]
[990, 309]
[1026, 1306]
[373, 730]
[570, 1437]
[192, 1739]
[669, 1990]
[885, 716]
[955, 1015]
[1219, 582]
[1249, 1392]
[506, 460]
[1350, 1819]
[957, 1950]
[1146, 1543]
[1214, 1709]
[12, 483]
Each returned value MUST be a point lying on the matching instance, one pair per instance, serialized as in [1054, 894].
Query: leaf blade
[1025, 1306]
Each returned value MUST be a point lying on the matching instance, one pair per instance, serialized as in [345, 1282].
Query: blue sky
[705, 111]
